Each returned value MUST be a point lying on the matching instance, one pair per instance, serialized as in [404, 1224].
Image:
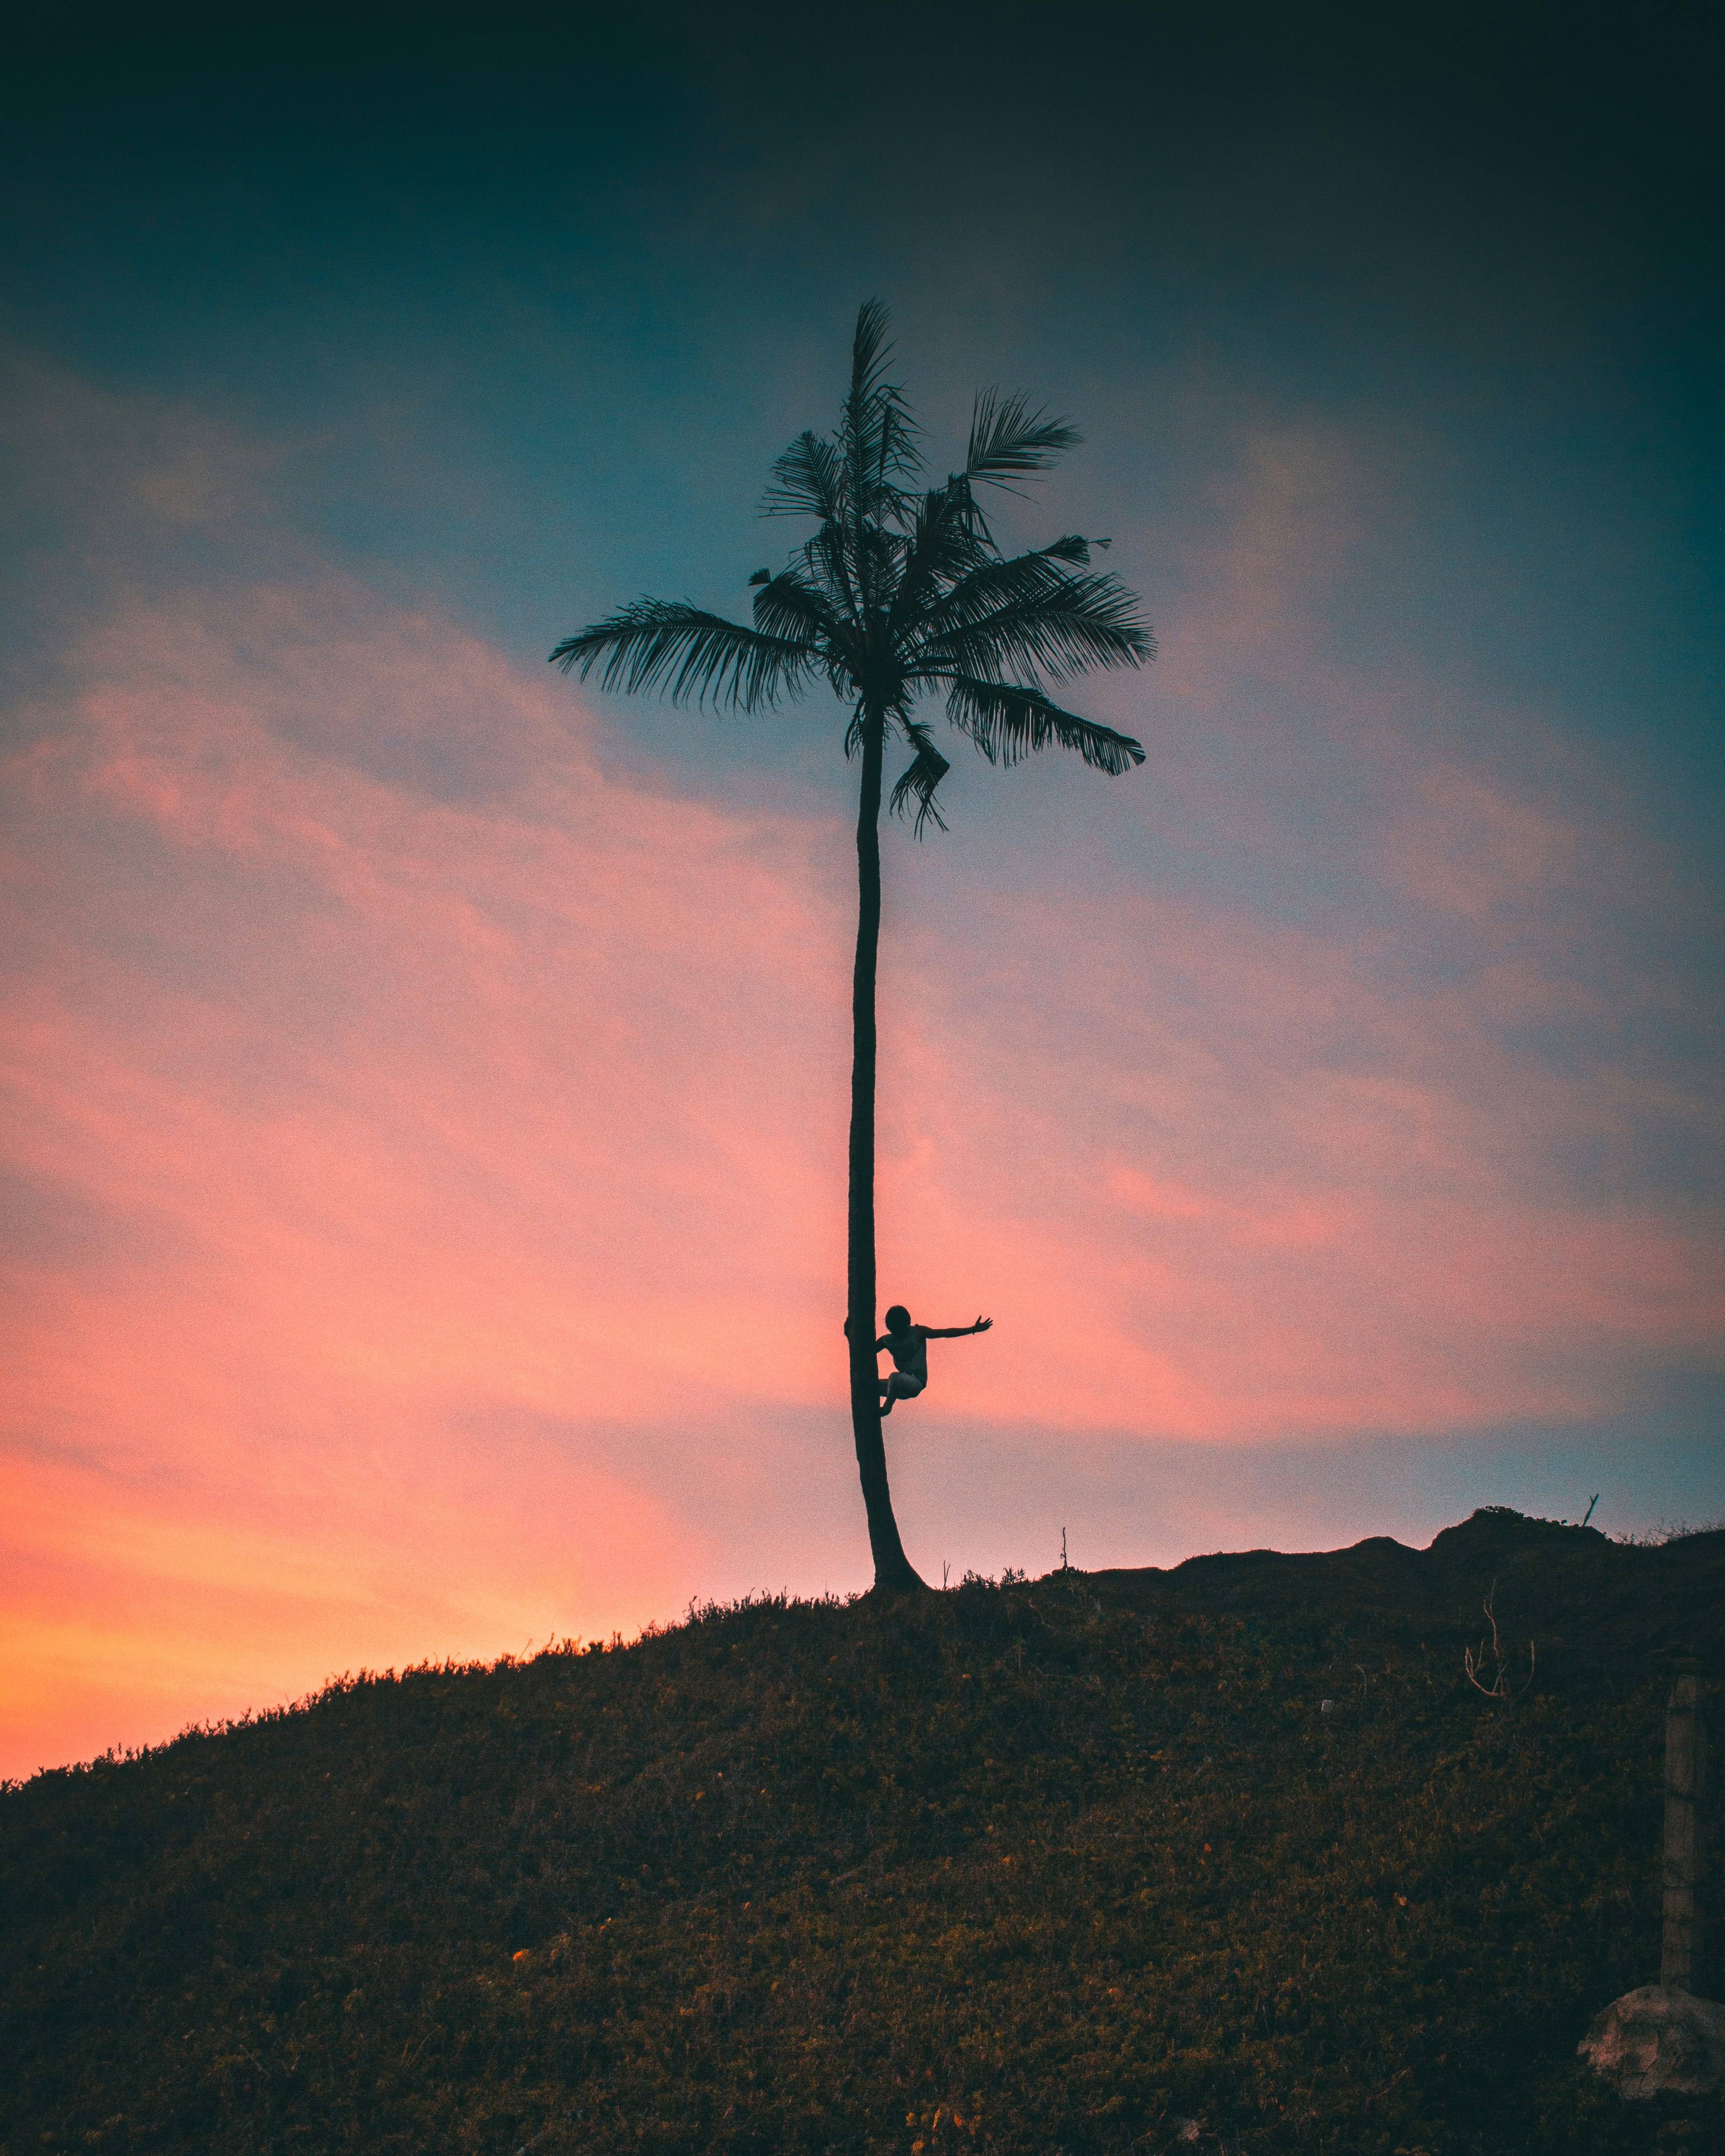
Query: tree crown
[900, 592]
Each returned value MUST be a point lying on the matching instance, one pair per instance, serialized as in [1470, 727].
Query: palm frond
[664, 644]
[829, 567]
[1029, 613]
[809, 480]
[924, 772]
[1074, 548]
[1009, 721]
[876, 432]
[989, 581]
[942, 546]
[790, 606]
[1009, 441]
[992, 581]
[869, 348]
[881, 559]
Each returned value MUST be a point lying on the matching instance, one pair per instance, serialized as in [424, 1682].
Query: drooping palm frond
[1009, 441]
[924, 772]
[1041, 620]
[662, 644]
[1008, 721]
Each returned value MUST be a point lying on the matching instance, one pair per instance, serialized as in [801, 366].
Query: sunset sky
[426, 1077]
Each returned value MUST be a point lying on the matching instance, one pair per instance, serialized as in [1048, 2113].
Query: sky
[425, 1077]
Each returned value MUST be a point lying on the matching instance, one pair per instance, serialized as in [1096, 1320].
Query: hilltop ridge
[1593, 1602]
[1230, 1857]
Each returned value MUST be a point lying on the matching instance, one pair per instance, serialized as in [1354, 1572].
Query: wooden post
[1685, 1768]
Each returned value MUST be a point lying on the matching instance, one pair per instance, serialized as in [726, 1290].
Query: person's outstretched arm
[955, 1332]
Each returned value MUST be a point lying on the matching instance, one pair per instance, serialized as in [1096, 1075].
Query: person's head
[897, 1318]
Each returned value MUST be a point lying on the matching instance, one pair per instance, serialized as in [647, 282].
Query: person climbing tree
[908, 1346]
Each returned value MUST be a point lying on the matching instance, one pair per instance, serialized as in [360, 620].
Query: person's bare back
[908, 1346]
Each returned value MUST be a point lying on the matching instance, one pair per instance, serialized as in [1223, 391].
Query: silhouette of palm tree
[899, 593]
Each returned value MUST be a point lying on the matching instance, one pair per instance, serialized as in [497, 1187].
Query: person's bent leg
[899, 1386]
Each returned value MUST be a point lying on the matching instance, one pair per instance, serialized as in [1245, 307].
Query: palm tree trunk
[893, 1571]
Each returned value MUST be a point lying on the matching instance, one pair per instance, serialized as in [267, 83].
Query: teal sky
[524, 311]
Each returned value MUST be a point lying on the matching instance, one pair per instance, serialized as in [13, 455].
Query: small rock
[1653, 2042]
[1326, 1706]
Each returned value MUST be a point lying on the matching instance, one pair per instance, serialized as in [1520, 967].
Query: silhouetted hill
[1228, 1856]
[1589, 1604]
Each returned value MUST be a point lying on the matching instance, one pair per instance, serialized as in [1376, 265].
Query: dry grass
[1067, 1865]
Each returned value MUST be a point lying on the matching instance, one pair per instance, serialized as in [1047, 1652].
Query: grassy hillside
[1079, 1864]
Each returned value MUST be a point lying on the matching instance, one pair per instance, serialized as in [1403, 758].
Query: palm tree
[900, 593]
